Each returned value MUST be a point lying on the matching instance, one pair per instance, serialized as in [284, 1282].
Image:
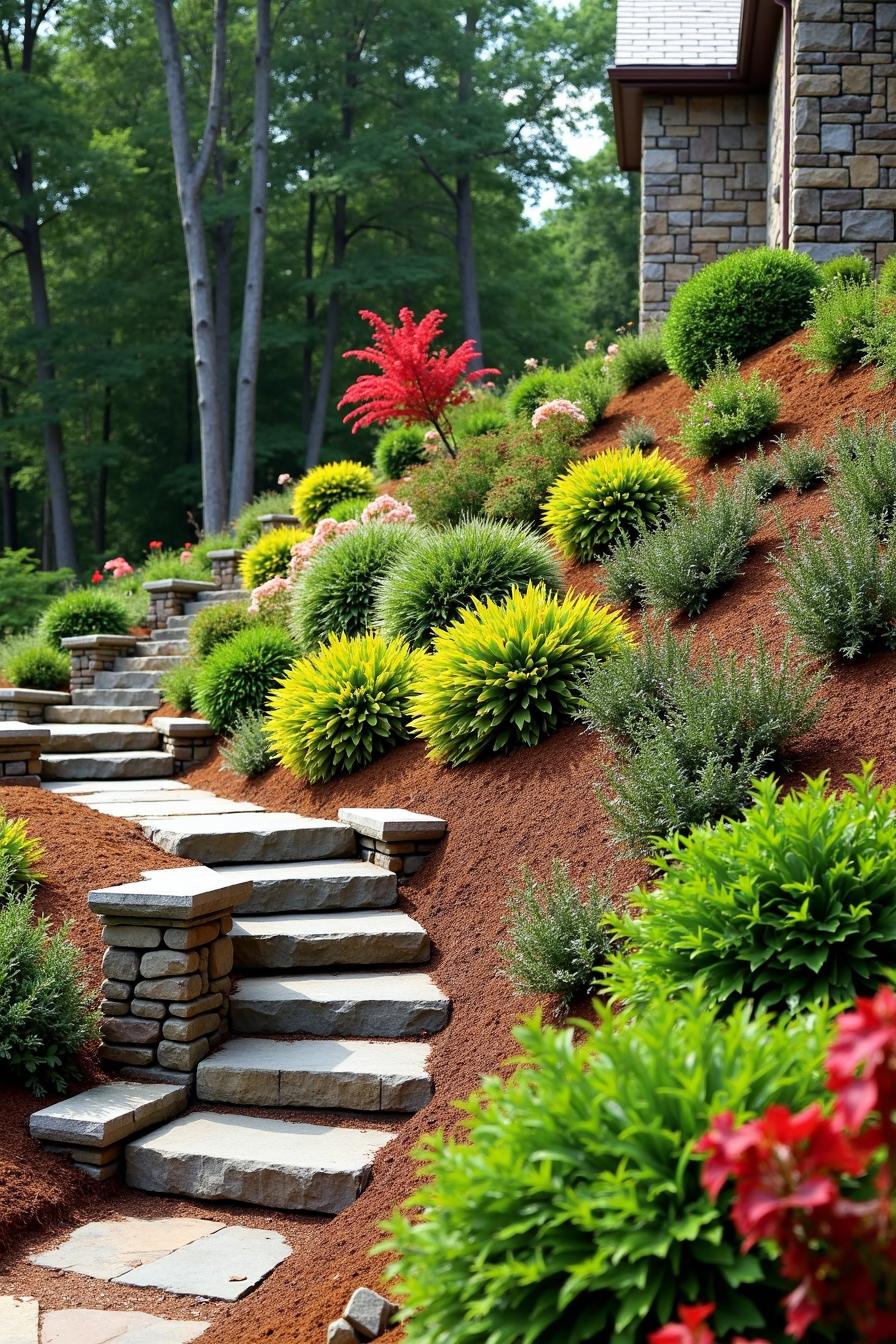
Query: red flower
[96, 577]
[188, 545]
[866, 1040]
[155, 545]
[690, 1331]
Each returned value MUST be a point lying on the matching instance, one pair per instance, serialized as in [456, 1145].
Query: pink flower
[186, 556]
[118, 567]
[612, 350]
[385, 509]
[590, 347]
[284, 478]
[530, 364]
[270, 597]
[560, 406]
[327, 530]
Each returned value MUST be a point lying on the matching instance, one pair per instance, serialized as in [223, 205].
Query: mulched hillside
[530, 807]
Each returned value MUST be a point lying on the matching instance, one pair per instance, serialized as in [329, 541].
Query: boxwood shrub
[29, 660]
[238, 676]
[83, 611]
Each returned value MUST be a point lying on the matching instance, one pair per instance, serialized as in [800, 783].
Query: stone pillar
[226, 568]
[168, 597]
[20, 749]
[167, 966]
[95, 653]
[187, 740]
[269, 521]
[25, 706]
[393, 838]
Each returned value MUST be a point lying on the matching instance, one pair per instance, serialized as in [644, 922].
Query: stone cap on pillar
[170, 896]
[78, 642]
[279, 520]
[25, 696]
[231, 553]
[185, 586]
[171, 727]
[393, 823]
[14, 733]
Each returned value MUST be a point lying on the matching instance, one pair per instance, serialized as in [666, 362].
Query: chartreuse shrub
[325, 486]
[529, 466]
[441, 573]
[178, 686]
[853, 269]
[448, 489]
[793, 902]
[29, 660]
[800, 464]
[843, 315]
[531, 391]
[219, 621]
[342, 707]
[556, 940]
[506, 674]
[83, 611]
[614, 495]
[865, 476]
[637, 358]
[238, 676]
[728, 410]
[572, 1210]
[337, 591]
[398, 449]
[269, 556]
[737, 305]
[248, 525]
[20, 855]
[247, 751]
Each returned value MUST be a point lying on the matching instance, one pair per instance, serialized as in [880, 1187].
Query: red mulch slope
[530, 807]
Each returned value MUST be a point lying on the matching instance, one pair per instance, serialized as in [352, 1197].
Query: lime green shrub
[728, 410]
[83, 611]
[447, 490]
[20, 854]
[220, 621]
[347, 510]
[853, 269]
[842, 319]
[744, 302]
[637, 358]
[612, 496]
[178, 686]
[29, 660]
[325, 486]
[398, 449]
[441, 573]
[573, 1209]
[342, 707]
[337, 592]
[269, 557]
[238, 676]
[507, 674]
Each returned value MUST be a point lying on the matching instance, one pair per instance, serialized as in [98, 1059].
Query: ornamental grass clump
[247, 751]
[638, 434]
[728, 411]
[572, 1208]
[83, 611]
[842, 320]
[800, 464]
[270, 556]
[178, 686]
[637, 358]
[506, 674]
[605, 499]
[327, 485]
[791, 903]
[864, 479]
[33, 662]
[441, 573]
[247, 527]
[220, 621]
[342, 707]
[238, 676]
[337, 592]
[397, 450]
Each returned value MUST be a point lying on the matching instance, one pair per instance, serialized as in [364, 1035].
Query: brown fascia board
[629, 83]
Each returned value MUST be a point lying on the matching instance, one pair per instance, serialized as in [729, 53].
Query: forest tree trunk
[317, 428]
[466, 264]
[310, 316]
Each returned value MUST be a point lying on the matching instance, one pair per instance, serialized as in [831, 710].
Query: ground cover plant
[397, 450]
[220, 621]
[440, 573]
[83, 611]
[574, 1208]
[735, 306]
[842, 320]
[800, 464]
[328, 485]
[728, 410]
[270, 556]
[248, 751]
[505, 675]
[880, 343]
[343, 706]
[865, 471]
[238, 676]
[612, 496]
[886, 279]
[636, 358]
[637, 434]
[32, 661]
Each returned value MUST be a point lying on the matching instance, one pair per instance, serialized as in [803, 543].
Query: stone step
[125, 793]
[151, 663]
[350, 1003]
[126, 681]
[107, 765]
[110, 787]
[267, 837]
[205, 600]
[95, 737]
[277, 1164]
[332, 884]
[94, 714]
[191, 804]
[166, 646]
[346, 938]
[141, 699]
[343, 1075]
[181, 623]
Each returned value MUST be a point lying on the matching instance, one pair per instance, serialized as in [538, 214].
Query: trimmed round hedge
[442, 572]
[336, 593]
[83, 611]
[325, 486]
[735, 306]
[36, 664]
[238, 676]
[220, 621]
[398, 449]
[611, 498]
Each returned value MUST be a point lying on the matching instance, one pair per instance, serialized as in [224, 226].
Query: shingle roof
[677, 32]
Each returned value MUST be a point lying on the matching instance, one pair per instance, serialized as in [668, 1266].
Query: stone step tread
[274, 1163]
[107, 1114]
[93, 737]
[343, 938]
[249, 837]
[196, 803]
[143, 699]
[107, 765]
[329, 884]
[87, 787]
[350, 1003]
[102, 714]
[126, 681]
[162, 644]
[356, 1075]
[153, 662]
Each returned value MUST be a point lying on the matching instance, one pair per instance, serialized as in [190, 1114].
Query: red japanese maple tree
[415, 385]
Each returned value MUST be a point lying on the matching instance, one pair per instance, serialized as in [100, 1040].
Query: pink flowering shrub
[570, 412]
[385, 509]
[270, 600]
[118, 567]
[327, 530]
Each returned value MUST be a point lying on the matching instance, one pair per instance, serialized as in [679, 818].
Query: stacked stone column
[394, 838]
[269, 521]
[187, 740]
[168, 597]
[20, 752]
[226, 568]
[95, 653]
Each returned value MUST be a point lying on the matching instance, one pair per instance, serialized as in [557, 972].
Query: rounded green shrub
[572, 1208]
[342, 707]
[178, 686]
[531, 391]
[507, 674]
[269, 557]
[219, 621]
[442, 572]
[347, 510]
[337, 591]
[36, 664]
[637, 358]
[792, 903]
[398, 449]
[610, 498]
[83, 611]
[326, 486]
[237, 677]
[744, 302]
[247, 527]
[485, 416]
[886, 280]
[853, 270]
[586, 383]
[728, 410]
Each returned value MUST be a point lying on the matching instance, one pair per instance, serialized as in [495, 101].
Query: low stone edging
[226, 568]
[26, 706]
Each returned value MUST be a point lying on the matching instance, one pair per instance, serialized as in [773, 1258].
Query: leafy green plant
[483, 415]
[247, 751]
[506, 674]
[20, 854]
[761, 474]
[839, 594]
[737, 305]
[865, 478]
[447, 490]
[531, 391]
[327, 485]
[844, 313]
[880, 343]
[573, 1210]
[29, 660]
[886, 280]
[800, 465]
[219, 621]
[247, 527]
[852, 269]
[637, 358]
[238, 676]
[792, 903]
[398, 449]
[530, 465]
[177, 686]
[25, 589]
[169, 565]
[440, 574]
[342, 707]
[586, 383]
[556, 940]
[269, 557]
[337, 592]
[83, 611]
[347, 510]
[614, 495]
[728, 410]
[637, 434]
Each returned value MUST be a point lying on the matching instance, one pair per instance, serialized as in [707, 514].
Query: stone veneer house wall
[752, 122]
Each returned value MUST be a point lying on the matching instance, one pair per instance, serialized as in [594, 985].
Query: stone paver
[357, 1003]
[252, 838]
[186, 805]
[107, 1114]
[168, 893]
[329, 884]
[107, 764]
[393, 823]
[108, 1250]
[343, 938]
[78, 787]
[116, 1327]
[226, 1265]
[18, 1320]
